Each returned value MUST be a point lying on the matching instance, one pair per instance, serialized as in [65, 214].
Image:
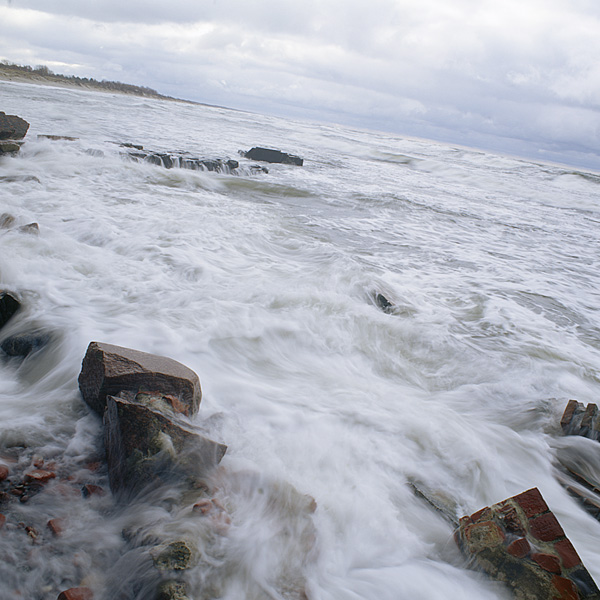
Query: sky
[518, 77]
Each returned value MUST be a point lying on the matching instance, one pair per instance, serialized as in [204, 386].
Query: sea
[393, 329]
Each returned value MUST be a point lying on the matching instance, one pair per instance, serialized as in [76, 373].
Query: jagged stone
[146, 448]
[6, 221]
[9, 305]
[30, 228]
[273, 156]
[520, 542]
[12, 127]
[108, 370]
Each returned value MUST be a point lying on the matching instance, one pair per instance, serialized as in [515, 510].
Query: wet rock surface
[23, 344]
[520, 542]
[146, 448]
[109, 370]
[272, 156]
[12, 127]
[9, 305]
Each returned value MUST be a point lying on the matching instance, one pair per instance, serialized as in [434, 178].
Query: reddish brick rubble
[519, 541]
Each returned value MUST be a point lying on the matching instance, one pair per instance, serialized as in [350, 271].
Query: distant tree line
[106, 85]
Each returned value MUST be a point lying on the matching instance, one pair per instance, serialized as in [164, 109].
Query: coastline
[19, 76]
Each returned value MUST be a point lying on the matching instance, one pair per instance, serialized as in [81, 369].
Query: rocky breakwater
[520, 542]
[12, 130]
[146, 402]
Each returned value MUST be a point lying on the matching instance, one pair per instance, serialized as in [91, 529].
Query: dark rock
[12, 127]
[489, 540]
[384, 304]
[18, 178]
[24, 344]
[273, 156]
[128, 145]
[8, 307]
[146, 448]
[582, 420]
[108, 370]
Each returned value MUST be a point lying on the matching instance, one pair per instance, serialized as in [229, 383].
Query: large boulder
[519, 541]
[8, 307]
[12, 127]
[273, 156]
[146, 448]
[108, 370]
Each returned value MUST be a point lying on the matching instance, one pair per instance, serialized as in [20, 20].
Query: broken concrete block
[520, 542]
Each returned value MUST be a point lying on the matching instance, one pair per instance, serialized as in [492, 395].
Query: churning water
[265, 285]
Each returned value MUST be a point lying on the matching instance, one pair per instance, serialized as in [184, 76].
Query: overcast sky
[517, 76]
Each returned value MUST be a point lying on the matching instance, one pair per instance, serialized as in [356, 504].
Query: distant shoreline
[22, 75]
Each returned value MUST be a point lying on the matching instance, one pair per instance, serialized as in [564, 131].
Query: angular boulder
[108, 370]
[146, 448]
[582, 420]
[12, 127]
[520, 542]
[8, 307]
[273, 156]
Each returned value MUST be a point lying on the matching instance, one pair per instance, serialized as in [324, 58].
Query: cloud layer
[515, 76]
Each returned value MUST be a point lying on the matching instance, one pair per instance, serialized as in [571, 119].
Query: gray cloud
[470, 71]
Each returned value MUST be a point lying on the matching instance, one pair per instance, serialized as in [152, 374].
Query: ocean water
[265, 285]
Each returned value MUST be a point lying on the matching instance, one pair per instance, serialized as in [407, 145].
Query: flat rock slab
[273, 156]
[109, 370]
[520, 542]
[146, 448]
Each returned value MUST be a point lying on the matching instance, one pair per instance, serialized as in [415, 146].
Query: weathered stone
[540, 565]
[23, 344]
[56, 526]
[108, 370]
[4, 472]
[8, 307]
[30, 228]
[6, 221]
[78, 593]
[384, 304]
[145, 448]
[89, 489]
[172, 590]
[176, 556]
[12, 127]
[39, 476]
[273, 156]
[9, 147]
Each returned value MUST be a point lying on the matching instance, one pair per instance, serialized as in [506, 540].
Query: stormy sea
[391, 331]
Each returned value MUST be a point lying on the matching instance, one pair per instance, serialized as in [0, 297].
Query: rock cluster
[519, 541]
[12, 129]
[579, 419]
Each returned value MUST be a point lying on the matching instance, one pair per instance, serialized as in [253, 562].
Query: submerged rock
[12, 127]
[172, 590]
[8, 307]
[582, 420]
[146, 448]
[108, 370]
[55, 138]
[272, 156]
[520, 542]
[9, 147]
[24, 344]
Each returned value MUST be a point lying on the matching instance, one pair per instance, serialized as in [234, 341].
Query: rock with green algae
[175, 556]
[172, 590]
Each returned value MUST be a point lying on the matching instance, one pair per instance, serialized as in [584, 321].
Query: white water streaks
[264, 285]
